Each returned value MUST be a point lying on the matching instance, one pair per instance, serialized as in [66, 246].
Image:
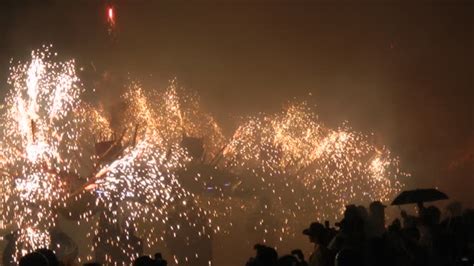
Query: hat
[314, 229]
[377, 205]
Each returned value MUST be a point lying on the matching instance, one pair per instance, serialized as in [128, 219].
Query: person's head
[91, 264]
[316, 233]
[144, 261]
[159, 261]
[33, 259]
[351, 212]
[266, 255]
[352, 221]
[376, 207]
[327, 224]
[49, 255]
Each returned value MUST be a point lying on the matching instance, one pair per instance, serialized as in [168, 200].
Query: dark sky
[400, 69]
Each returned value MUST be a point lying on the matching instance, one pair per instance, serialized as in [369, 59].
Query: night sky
[400, 69]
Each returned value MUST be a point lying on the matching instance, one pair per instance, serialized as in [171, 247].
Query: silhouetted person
[376, 221]
[428, 222]
[430, 234]
[266, 256]
[395, 226]
[351, 234]
[456, 235]
[159, 261]
[49, 255]
[317, 235]
[408, 220]
[144, 261]
[375, 230]
[420, 206]
[33, 259]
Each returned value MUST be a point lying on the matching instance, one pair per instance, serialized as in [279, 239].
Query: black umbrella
[418, 196]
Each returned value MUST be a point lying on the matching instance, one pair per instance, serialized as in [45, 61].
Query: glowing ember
[110, 15]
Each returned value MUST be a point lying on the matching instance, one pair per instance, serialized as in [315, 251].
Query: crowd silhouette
[361, 238]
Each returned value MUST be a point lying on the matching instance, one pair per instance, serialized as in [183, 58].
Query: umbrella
[418, 196]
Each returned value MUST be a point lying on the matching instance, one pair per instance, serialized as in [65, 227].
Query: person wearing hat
[317, 235]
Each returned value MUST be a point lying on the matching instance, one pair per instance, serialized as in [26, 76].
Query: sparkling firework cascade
[41, 132]
[139, 188]
[167, 173]
[302, 170]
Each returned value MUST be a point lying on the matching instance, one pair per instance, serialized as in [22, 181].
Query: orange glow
[110, 14]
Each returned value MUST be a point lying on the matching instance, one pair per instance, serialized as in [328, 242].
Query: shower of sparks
[40, 133]
[305, 169]
[140, 188]
[167, 173]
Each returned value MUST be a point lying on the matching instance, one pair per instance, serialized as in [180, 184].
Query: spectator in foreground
[34, 259]
[159, 261]
[49, 255]
[317, 235]
[266, 256]
[144, 261]
[376, 221]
